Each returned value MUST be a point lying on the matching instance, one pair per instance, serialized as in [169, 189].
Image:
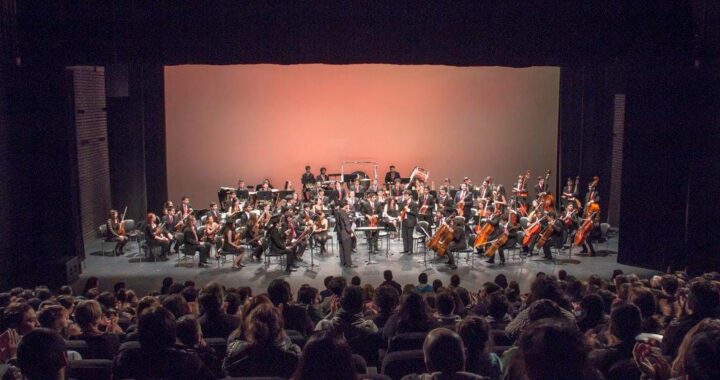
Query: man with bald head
[444, 357]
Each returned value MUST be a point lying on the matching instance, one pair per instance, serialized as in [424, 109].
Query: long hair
[326, 356]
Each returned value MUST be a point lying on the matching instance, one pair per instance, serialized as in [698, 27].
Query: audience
[565, 328]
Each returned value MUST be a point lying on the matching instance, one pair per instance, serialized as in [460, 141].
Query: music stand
[427, 236]
[242, 194]
[264, 196]
[282, 194]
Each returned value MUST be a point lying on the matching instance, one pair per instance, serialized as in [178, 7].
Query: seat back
[623, 369]
[80, 346]
[129, 225]
[500, 338]
[367, 346]
[407, 342]
[102, 230]
[398, 364]
[424, 228]
[360, 363]
[604, 228]
[376, 376]
[218, 344]
[90, 369]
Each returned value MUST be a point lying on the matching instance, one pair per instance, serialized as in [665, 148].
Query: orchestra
[486, 218]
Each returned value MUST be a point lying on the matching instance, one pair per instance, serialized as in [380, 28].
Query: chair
[90, 369]
[423, 234]
[406, 342]
[604, 229]
[3, 369]
[252, 378]
[360, 364]
[398, 364]
[218, 344]
[132, 232]
[269, 255]
[623, 369]
[103, 229]
[373, 377]
[79, 346]
[367, 346]
[517, 248]
[129, 345]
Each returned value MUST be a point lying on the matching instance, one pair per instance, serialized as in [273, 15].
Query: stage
[144, 277]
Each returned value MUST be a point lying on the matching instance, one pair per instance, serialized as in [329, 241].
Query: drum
[419, 173]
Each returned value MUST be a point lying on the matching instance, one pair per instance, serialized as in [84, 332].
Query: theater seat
[624, 369]
[398, 364]
[406, 342]
[218, 344]
[373, 377]
[79, 346]
[90, 369]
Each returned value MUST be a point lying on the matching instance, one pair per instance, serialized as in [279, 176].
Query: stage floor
[144, 277]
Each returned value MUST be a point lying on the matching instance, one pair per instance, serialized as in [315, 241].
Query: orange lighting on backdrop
[258, 121]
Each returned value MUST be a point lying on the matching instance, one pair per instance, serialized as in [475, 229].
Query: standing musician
[592, 196]
[320, 231]
[214, 211]
[486, 190]
[277, 244]
[391, 216]
[231, 244]
[465, 196]
[569, 193]
[410, 209]
[541, 188]
[185, 208]
[230, 200]
[292, 232]
[500, 198]
[241, 185]
[447, 184]
[371, 209]
[193, 243]
[264, 186]
[468, 183]
[444, 202]
[375, 187]
[155, 236]
[556, 239]
[426, 205]
[322, 177]
[307, 178]
[253, 236]
[345, 235]
[340, 190]
[391, 176]
[459, 242]
[521, 193]
[116, 232]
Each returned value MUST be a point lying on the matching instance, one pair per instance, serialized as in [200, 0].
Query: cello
[531, 231]
[584, 230]
[442, 238]
[485, 231]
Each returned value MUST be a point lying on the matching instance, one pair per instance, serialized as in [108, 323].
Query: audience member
[423, 286]
[444, 357]
[41, 355]
[326, 356]
[100, 332]
[388, 276]
[475, 334]
[294, 317]
[214, 321]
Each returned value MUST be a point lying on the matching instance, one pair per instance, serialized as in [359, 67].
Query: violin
[372, 220]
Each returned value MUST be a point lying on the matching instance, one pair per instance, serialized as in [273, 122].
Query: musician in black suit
[494, 220]
[322, 177]
[459, 241]
[541, 188]
[170, 220]
[345, 235]
[193, 243]
[307, 178]
[231, 199]
[410, 221]
[277, 244]
[425, 199]
[214, 211]
[464, 195]
[371, 208]
[185, 208]
[556, 239]
[445, 202]
[568, 194]
[245, 215]
[293, 228]
[392, 175]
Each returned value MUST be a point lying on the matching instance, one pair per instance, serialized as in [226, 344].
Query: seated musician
[371, 211]
[319, 205]
[320, 231]
[352, 201]
[342, 193]
[494, 219]
[570, 218]
[185, 208]
[459, 242]
[594, 235]
[210, 233]
[392, 176]
[500, 198]
[244, 216]
[511, 230]
[230, 200]
[193, 243]
[265, 185]
[322, 177]
[278, 246]
[288, 186]
[447, 184]
[556, 239]
[115, 232]
[356, 187]
[253, 236]
[292, 229]
[397, 190]
[155, 236]
[241, 184]
[231, 244]
[375, 186]
[391, 216]
[170, 221]
[382, 197]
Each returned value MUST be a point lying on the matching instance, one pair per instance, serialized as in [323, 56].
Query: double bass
[592, 207]
[548, 200]
[442, 237]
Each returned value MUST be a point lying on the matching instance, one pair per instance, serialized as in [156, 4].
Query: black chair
[373, 377]
[367, 346]
[406, 342]
[398, 364]
[79, 346]
[623, 369]
[90, 369]
[218, 344]
[131, 344]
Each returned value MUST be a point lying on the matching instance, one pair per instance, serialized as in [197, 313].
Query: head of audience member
[698, 353]
[355, 281]
[625, 323]
[279, 292]
[307, 295]
[554, 348]
[233, 304]
[703, 301]
[90, 283]
[444, 352]
[501, 281]
[352, 300]
[423, 278]
[454, 281]
[546, 287]
[445, 303]
[412, 309]
[54, 317]
[265, 325]
[386, 299]
[437, 284]
[166, 282]
[157, 329]
[669, 284]
[88, 315]
[189, 332]
[41, 355]
[388, 275]
[21, 317]
[211, 300]
[592, 307]
[337, 285]
[475, 334]
[326, 356]
[497, 306]
[176, 304]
